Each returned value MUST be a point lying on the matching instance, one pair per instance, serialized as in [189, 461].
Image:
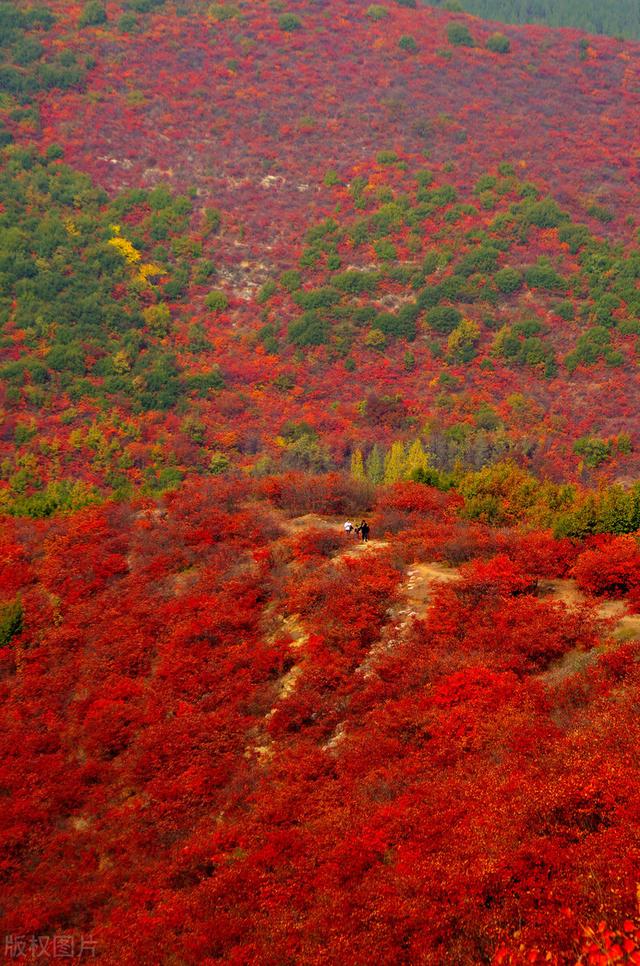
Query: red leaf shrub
[496, 576]
[317, 542]
[609, 569]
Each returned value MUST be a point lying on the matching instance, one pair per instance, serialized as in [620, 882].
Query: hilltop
[521, 158]
[620, 18]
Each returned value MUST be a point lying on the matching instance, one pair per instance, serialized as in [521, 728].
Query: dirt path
[567, 592]
[421, 578]
[355, 547]
[312, 521]
[262, 747]
[414, 600]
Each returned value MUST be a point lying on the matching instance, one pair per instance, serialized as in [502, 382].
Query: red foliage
[539, 553]
[612, 567]
[223, 741]
[224, 724]
[498, 575]
[316, 542]
[299, 493]
[419, 499]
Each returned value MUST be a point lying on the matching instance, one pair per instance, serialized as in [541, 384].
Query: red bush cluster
[610, 568]
[210, 715]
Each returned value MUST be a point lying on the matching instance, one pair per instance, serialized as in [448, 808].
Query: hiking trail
[414, 599]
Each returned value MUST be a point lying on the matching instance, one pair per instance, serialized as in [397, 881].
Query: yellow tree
[462, 340]
[357, 466]
[375, 467]
[394, 463]
[416, 459]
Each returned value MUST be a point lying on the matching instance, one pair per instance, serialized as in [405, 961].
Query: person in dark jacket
[364, 531]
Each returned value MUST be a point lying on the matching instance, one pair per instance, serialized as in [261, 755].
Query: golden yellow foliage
[124, 246]
[70, 228]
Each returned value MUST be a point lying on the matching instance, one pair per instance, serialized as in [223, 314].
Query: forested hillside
[618, 18]
[266, 267]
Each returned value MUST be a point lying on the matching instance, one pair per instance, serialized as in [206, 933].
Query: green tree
[593, 450]
[508, 280]
[498, 44]
[616, 511]
[377, 12]
[462, 341]
[289, 22]
[216, 301]
[218, 463]
[458, 34]
[93, 14]
[443, 319]
[408, 43]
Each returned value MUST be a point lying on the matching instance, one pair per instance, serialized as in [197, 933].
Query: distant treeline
[615, 17]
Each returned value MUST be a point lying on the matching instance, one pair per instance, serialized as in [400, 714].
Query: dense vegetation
[220, 709]
[619, 18]
[263, 266]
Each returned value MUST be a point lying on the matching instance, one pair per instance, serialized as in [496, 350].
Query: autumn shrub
[408, 43]
[420, 515]
[331, 493]
[498, 575]
[317, 542]
[444, 319]
[377, 12]
[216, 301]
[508, 280]
[539, 552]
[93, 14]
[618, 663]
[289, 22]
[467, 542]
[417, 498]
[458, 35]
[491, 617]
[498, 44]
[610, 568]
[345, 602]
[390, 521]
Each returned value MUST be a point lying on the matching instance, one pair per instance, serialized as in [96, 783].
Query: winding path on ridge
[421, 578]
